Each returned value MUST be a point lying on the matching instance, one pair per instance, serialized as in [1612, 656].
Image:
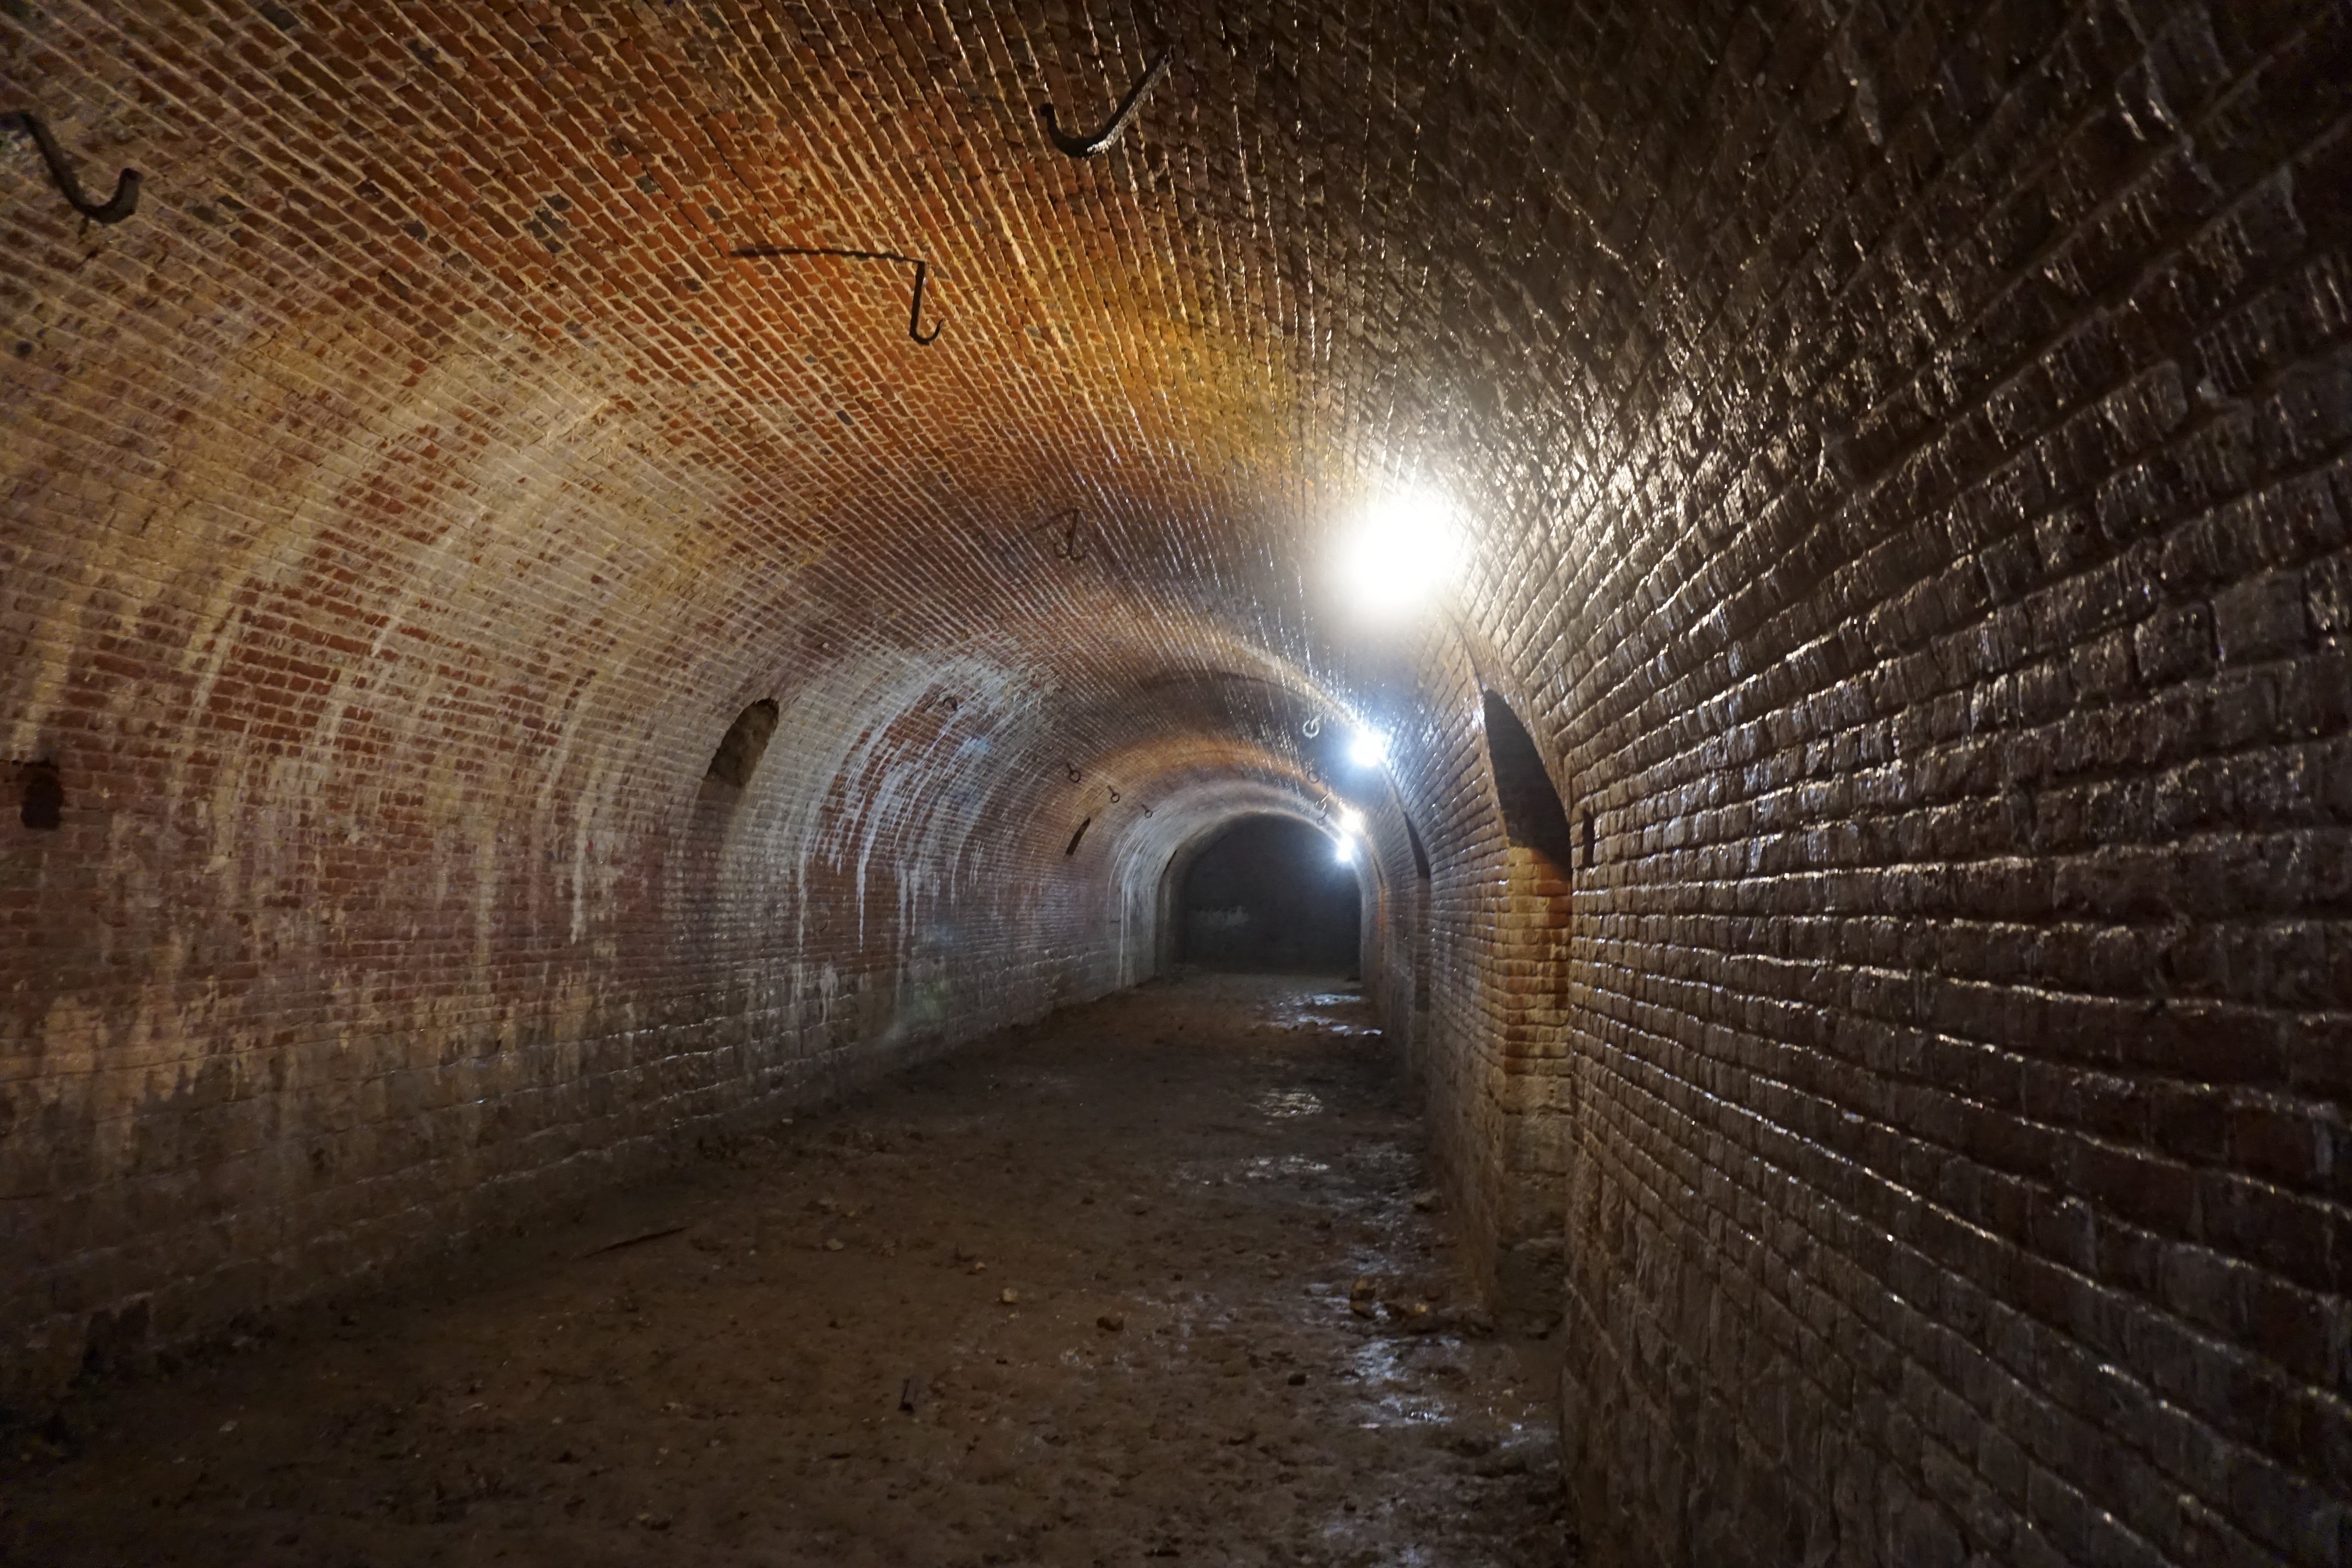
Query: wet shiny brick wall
[1902, 453]
[1948, 639]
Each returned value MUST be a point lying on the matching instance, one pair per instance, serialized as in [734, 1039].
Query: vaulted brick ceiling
[467, 369]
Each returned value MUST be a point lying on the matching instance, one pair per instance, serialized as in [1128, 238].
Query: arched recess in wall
[42, 807]
[1533, 817]
[724, 780]
[1530, 1007]
[1418, 912]
[741, 748]
[1399, 946]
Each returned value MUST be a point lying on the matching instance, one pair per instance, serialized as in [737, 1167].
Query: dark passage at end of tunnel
[1269, 894]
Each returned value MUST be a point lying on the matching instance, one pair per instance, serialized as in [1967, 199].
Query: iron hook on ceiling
[113, 210]
[915, 310]
[922, 275]
[1312, 727]
[1072, 769]
[1087, 146]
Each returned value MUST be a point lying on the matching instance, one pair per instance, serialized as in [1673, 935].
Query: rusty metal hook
[1072, 769]
[1147, 811]
[1114, 797]
[922, 275]
[1069, 549]
[113, 210]
[1087, 146]
[915, 310]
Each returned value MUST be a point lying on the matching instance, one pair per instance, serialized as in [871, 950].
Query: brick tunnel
[587, 583]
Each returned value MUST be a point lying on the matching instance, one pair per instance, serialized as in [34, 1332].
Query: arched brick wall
[1902, 457]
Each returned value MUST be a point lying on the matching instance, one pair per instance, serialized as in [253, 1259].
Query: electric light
[1367, 748]
[1343, 849]
[1351, 821]
[1402, 553]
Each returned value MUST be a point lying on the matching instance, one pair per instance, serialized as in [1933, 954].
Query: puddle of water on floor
[1380, 1362]
[1391, 1160]
[1251, 1168]
[1268, 1168]
[1350, 1531]
[1285, 1103]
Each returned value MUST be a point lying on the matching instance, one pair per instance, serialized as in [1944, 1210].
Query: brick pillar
[1532, 1089]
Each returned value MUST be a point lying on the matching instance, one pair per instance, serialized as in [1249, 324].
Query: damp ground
[1159, 1280]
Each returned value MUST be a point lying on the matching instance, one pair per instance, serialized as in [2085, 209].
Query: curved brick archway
[1902, 454]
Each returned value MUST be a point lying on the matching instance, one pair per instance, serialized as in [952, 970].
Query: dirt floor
[1158, 1279]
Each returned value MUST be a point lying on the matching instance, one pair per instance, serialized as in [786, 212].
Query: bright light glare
[1344, 850]
[1367, 748]
[1402, 554]
[1351, 821]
